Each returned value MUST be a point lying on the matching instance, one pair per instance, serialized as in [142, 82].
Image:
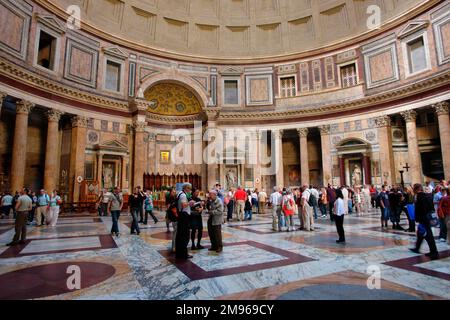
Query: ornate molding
[278, 134]
[212, 113]
[303, 132]
[79, 122]
[24, 107]
[442, 108]
[409, 115]
[139, 126]
[54, 115]
[3, 95]
[383, 121]
[325, 130]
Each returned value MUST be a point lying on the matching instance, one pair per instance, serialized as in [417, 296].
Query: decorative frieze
[24, 107]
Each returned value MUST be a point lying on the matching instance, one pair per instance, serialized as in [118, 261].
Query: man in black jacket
[424, 206]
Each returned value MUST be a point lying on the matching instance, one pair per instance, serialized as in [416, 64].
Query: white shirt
[276, 198]
[306, 194]
[183, 199]
[339, 208]
[314, 192]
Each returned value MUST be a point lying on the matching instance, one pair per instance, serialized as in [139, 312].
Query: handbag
[433, 219]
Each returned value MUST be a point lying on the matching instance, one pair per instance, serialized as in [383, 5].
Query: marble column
[414, 159]
[367, 168]
[51, 150]
[277, 154]
[442, 110]
[100, 169]
[386, 153]
[139, 154]
[3, 96]
[257, 166]
[342, 171]
[304, 159]
[123, 179]
[77, 156]
[326, 155]
[19, 152]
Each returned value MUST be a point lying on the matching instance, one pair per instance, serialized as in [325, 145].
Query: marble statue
[231, 179]
[356, 176]
[108, 176]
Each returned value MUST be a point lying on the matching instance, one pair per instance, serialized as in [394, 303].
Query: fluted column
[3, 95]
[386, 154]
[304, 159]
[51, 150]
[442, 110]
[139, 153]
[19, 152]
[77, 156]
[278, 155]
[414, 160]
[100, 169]
[326, 154]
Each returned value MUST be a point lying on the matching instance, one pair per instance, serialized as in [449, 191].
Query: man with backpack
[114, 208]
[314, 200]
[183, 224]
[307, 211]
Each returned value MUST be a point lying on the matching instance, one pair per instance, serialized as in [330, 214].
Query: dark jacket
[136, 201]
[423, 206]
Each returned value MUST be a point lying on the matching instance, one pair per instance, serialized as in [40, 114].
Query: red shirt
[240, 195]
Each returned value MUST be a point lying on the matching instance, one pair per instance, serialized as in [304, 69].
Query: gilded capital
[383, 121]
[79, 121]
[303, 132]
[24, 107]
[325, 130]
[139, 126]
[442, 108]
[409, 115]
[54, 115]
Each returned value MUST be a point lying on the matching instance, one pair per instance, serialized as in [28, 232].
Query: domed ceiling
[232, 29]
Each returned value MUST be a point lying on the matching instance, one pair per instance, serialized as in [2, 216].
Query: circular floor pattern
[344, 292]
[353, 241]
[168, 235]
[51, 279]
[68, 228]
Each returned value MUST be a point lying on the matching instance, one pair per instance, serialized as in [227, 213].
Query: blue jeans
[281, 220]
[315, 212]
[115, 214]
[248, 214]
[350, 206]
[134, 223]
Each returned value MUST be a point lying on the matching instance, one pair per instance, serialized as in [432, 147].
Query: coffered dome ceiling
[231, 29]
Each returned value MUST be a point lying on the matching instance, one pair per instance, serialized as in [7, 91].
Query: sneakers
[442, 240]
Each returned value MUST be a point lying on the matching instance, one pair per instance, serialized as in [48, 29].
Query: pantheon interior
[105, 93]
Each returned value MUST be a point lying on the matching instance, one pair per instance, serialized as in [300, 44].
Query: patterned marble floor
[257, 263]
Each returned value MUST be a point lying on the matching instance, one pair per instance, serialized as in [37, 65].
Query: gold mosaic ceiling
[172, 100]
[231, 29]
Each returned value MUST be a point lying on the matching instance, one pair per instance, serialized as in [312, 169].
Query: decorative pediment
[112, 145]
[51, 22]
[231, 71]
[115, 52]
[413, 27]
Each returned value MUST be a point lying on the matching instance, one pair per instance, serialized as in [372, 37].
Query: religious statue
[231, 179]
[356, 176]
[108, 176]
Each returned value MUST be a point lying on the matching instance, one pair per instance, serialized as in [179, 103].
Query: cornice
[170, 54]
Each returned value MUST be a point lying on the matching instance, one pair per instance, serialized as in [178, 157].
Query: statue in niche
[231, 179]
[356, 176]
[108, 176]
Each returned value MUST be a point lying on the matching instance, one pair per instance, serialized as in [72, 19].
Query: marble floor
[257, 263]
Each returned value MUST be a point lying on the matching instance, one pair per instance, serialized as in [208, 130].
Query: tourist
[43, 201]
[248, 206]
[262, 199]
[240, 196]
[148, 207]
[114, 209]
[331, 195]
[23, 206]
[444, 211]
[408, 208]
[366, 199]
[345, 193]
[358, 201]
[196, 220]
[373, 196]
[53, 210]
[323, 202]
[255, 202]
[351, 192]
[135, 201]
[171, 197]
[15, 198]
[277, 215]
[306, 209]
[33, 207]
[220, 193]
[395, 198]
[230, 204]
[442, 227]
[184, 212]
[215, 212]
[339, 213]
[423, 207]
[103, 202]
[288, 207]
[383, 204]
[7, 202]
[314, 200]
[142, 197]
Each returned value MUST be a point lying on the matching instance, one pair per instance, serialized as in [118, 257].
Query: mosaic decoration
[172, 100]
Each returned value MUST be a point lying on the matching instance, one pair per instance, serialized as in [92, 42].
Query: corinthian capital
[24, 106]
[54, 115]
[303, 132]
[409, 115]
[383, 121]
[139, 126]
[442, 108]
[79, 121]
[325, 130]
[278, 134]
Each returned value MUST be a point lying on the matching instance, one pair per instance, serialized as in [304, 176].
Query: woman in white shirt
[53, 210]
[339, 212]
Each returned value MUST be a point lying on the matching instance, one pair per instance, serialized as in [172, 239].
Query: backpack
[288, 204]
[312, 199]
[172, 212]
